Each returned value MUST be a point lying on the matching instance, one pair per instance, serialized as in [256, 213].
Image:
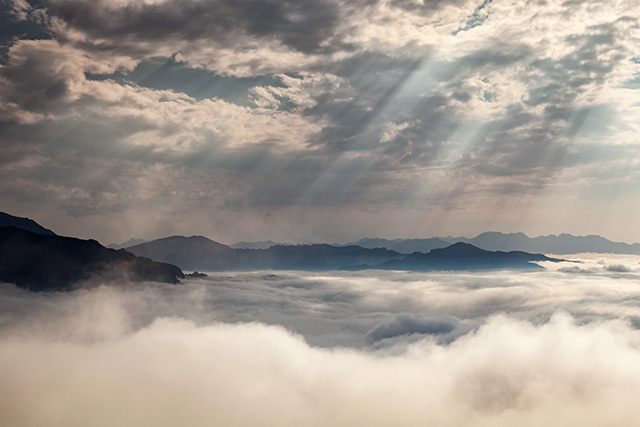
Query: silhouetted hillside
[43, 262]
[7, 220]
[190, 253]
[200, 253]
[318, 257]
[463, 256]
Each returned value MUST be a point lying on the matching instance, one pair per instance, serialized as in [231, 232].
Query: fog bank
[551, 348]
[174, 372]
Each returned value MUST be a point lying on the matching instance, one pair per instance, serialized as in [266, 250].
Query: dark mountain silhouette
[42, 262]
[200, 253]
[463, 256]
[552, 244]
[7, 220]
[190, 253]
[404, 246]
[317, 257]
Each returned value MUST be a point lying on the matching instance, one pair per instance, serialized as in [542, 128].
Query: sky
[311, 120]
[556, 347]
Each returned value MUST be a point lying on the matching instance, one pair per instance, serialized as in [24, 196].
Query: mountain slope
[463, 256]
[318, 256]
[190, 253]
[7, 220]
[42, 262]
[200, 253]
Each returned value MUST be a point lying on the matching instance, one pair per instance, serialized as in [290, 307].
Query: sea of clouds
[557, 347]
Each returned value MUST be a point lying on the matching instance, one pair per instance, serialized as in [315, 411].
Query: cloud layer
[274, 117]
[491, 349]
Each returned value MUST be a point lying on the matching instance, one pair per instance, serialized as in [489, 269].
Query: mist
[558, 347]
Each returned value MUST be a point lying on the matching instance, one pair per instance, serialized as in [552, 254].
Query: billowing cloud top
[441, 349]
[320, 120]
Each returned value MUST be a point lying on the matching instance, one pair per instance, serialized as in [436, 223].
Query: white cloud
[156, 355]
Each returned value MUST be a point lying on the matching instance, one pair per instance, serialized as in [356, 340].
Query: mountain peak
[459, 248]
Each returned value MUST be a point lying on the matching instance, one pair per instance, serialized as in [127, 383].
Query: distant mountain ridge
[464, 256]
[200, 253]
[130, 242]
[562, 244]
[404, 246]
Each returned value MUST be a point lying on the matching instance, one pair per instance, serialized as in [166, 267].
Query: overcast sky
[321, 120]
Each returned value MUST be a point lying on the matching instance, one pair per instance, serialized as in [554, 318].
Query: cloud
[355, 309]
[416, 113]
[618, 268]
[160, 355]
[408, 324]
[303, 26]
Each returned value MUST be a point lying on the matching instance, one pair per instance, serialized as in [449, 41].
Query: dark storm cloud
[33, 80]
[306, 26]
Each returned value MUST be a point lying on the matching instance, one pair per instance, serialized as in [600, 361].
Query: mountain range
[200, 253]
[464, 256]
[562, 244]
[36, 258]
[404, 246]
